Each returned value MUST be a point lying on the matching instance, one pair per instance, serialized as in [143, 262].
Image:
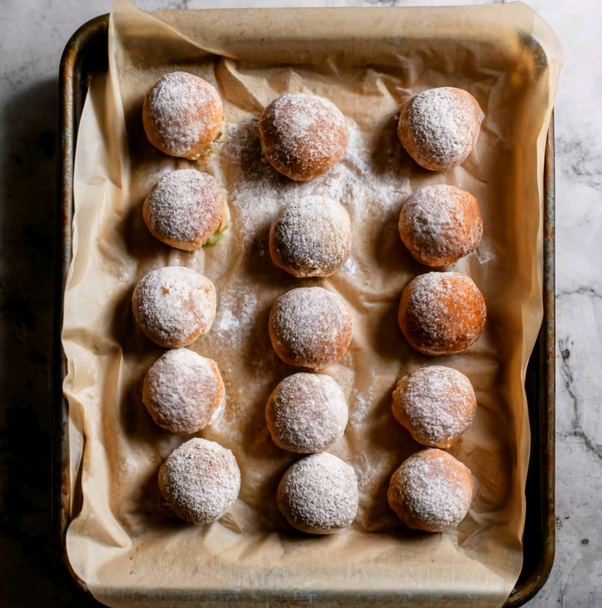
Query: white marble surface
[32, 36]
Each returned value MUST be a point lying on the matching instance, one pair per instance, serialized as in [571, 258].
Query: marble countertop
[33, 34]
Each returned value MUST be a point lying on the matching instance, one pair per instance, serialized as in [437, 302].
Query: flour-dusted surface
[121, 527]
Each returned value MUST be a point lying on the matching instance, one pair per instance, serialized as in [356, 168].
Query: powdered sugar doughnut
[184, 209]
[311, 237]
[319, 494]
[182, 391]
[303, 136]
[440, 224]
[310, 327]
[306, 413]
[200, 481]
[182, 114]
[439, 127]
[436, 404]
[431, 491]
[174, 305]
[442, 313]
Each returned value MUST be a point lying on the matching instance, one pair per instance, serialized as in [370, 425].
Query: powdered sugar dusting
[439, 127]
[311, 237]
[436, 404]
[306, 413]
[319, 493]
[182, 391]
[311, 327]
[185, 111]
[184, 208]
[174, 305]
[440, 224]
[200, 481]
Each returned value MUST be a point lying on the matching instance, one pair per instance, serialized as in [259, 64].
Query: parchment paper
[122, 541]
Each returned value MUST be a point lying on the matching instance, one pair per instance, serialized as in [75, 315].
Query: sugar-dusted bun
[436, 404]
[182, 391]
[303, 136]
[182, 114]
[200, 481]
[431, 491]
[311, 237]
[184, 209]
[319, 494]
[306, 413]
[174, 305]
[442, 313]
[310, 327]
[440, 224]
[439, 127]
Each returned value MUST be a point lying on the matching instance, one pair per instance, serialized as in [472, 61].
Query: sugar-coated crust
[442, 313]
[303, 136]
[310, 327]
[439, 127]
[431, 491]
[440, 224]
[182, 114]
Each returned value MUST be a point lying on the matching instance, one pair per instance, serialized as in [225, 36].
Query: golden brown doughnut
[200, 481]
[182, 391]
[184, 209]
[310, 327]
[303, 136]
[311, 237]
[439, 127]
[440, 224]
[182, 114]
[436, 404]
[306, 413]
[319, 494]
[442, 313]
[174, 305]
[431, 491]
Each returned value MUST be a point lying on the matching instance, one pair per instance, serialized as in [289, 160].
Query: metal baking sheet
[87, 53]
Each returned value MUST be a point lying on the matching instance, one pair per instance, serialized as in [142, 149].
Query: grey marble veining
[32, 36]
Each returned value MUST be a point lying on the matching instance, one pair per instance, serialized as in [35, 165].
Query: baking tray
[86, 53]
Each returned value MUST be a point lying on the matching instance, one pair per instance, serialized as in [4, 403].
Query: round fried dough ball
[436, 404]
[310, 327]
[319, 494]
[200, 481]
[311, 237]
[184, 209]
[174, 305]
[439, 127]
[306, 413]
[440, 224]
[182, 114]
[442, 313]
[303, 136]
[182, 391]
[431, 491]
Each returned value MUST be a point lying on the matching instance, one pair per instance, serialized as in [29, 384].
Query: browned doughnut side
[310, 328]
[442, 313]
[431, 491]
[435, 404]
[302, 136]
[439, 127]
[182, 114]
[440, 224]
